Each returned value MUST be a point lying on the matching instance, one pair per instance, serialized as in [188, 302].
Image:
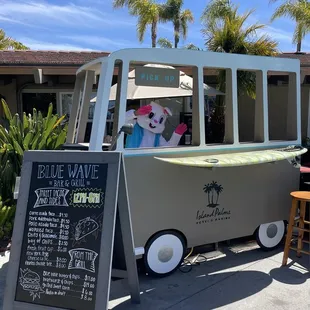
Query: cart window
[83, 105]
[250, 96]
[161, 119]
[218, 106]
[282, 105]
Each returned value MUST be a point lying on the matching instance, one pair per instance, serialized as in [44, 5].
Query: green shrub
[32, 132]
[7, 214]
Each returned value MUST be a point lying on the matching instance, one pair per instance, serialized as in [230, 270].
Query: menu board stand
[63, 238]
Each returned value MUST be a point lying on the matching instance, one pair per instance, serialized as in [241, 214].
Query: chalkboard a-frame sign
[64, 228]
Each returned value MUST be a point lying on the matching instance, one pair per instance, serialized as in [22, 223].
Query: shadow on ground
[165, 293]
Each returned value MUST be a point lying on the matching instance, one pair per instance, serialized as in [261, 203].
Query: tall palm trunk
[176, 34]
[299, 47]
[154, 34]
[299, 36]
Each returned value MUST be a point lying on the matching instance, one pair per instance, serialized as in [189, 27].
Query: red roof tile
[79, 58]
[303, 57]
[48, 57]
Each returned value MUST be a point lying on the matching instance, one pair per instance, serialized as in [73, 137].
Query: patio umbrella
[150, 92]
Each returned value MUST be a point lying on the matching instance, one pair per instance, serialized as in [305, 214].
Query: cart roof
[184, 57]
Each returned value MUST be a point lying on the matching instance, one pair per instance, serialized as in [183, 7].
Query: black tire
[270, 235]
[161, 261]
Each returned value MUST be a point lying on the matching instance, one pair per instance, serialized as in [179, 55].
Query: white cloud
[99, 41]
[12, 20]
[285, 38]
[277, 34]
[49, 46]
[43, 13]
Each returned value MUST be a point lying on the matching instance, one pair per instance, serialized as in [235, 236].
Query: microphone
[127, 129]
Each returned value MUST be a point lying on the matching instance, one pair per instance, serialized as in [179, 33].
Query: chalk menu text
[62, 235]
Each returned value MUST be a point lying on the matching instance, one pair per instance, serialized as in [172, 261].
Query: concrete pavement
[240, 276]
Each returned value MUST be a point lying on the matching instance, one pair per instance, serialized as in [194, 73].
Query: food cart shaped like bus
[203, 190]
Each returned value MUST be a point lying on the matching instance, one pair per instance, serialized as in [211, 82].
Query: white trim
[46, 90]
[99, 126]
[123, 86]
[265, 105]
[196, 58]
[60, 101]
[201, 107]
[234, 97]
[94, 93]
[211, 147]
[298, 106]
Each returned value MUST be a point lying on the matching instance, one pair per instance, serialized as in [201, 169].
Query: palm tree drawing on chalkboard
[213, 191]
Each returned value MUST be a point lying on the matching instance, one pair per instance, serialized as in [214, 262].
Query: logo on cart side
[213, 191]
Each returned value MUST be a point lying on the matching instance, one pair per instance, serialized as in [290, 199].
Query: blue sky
[95, 25]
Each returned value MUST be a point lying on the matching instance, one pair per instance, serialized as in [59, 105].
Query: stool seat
[301, 195]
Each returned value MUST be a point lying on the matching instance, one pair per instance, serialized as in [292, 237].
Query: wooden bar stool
[303, 197]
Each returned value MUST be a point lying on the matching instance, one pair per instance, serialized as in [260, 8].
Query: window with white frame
[66, 99]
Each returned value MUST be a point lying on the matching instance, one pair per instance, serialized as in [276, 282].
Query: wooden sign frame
[116, 196]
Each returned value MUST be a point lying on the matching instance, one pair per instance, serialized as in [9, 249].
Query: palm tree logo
[213, 190]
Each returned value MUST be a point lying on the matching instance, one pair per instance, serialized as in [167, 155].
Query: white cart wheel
[269, 235]
[164, 253]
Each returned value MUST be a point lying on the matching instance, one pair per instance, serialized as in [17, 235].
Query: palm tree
[207, 189]
[218, 189]
[7, 43]
[192, 46]
[216, 9]
[166, 43]
[172, 11]
[148, 12]
[225, 31]
[299, 11]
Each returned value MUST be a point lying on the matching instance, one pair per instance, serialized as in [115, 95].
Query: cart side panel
[206, 205]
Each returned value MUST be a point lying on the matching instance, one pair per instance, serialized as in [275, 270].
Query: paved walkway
[240, 276]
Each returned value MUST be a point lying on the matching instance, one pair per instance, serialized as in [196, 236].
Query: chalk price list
[88, 288]
[48, 232]
[72, 285]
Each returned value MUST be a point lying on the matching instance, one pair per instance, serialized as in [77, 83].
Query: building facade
[31, 79]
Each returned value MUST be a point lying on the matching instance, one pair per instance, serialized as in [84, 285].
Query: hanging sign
[158, 77]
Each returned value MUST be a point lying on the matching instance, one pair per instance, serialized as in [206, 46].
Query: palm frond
[229, 33]
[141, 27]
[164, 43]
[8, 43]
[186, 17]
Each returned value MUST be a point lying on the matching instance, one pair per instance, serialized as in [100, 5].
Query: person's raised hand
[181, 129]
